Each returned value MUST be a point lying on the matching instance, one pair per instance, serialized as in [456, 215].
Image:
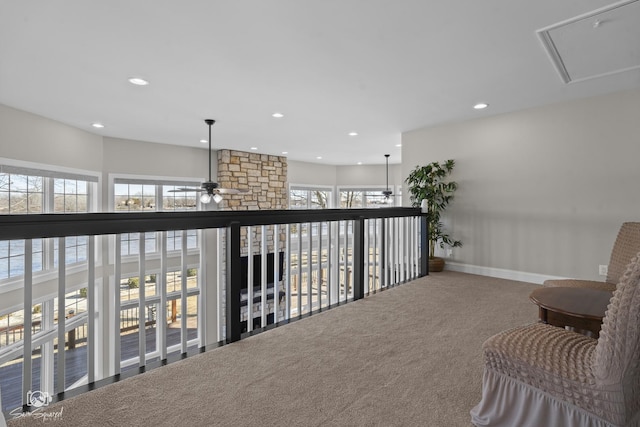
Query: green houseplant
[429, 183]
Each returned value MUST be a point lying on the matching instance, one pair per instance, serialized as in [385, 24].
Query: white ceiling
[376, 67]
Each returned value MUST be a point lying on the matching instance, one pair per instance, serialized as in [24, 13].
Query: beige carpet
[410, 356]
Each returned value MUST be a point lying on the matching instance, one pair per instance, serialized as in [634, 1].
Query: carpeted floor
[409, 356]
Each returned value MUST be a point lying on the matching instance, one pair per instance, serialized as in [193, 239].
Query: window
[135, 195]
[353, 198]
[142, 195]
[27, 190]
[173, 200]
[309, 197]
[20, 194]
[70, 196]
[35, 191]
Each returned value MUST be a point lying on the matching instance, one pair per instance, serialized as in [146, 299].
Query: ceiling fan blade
[185, 189]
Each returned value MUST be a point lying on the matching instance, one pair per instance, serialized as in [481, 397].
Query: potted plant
[429, 183]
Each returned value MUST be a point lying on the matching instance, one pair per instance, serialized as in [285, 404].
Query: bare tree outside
[350, 199]
[320, 199]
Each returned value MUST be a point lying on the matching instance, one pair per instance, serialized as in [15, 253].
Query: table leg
[543, 314]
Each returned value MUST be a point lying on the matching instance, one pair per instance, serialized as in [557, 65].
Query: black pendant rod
[210, 122]
[387, 156]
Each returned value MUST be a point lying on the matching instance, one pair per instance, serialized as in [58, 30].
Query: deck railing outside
[185, 299]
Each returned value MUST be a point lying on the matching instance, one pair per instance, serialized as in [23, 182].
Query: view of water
[12, 251]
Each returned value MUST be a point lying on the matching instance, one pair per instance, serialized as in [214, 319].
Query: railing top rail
[60, 225]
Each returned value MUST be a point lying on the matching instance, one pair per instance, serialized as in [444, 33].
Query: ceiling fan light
[205, 198]
[217, 198]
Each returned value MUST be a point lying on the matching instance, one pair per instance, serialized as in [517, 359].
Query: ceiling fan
[387, 193]
[211, 190]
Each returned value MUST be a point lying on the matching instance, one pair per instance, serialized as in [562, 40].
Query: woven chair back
[617, 355]
[626, 246]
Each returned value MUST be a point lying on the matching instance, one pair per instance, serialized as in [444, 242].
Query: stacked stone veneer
[265, 177]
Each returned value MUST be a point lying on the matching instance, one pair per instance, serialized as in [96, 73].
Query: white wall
[367, 175]
[27, 137]
[310, 173]
[129, 157]
[31, 138]
[542, 190]
[147, 158]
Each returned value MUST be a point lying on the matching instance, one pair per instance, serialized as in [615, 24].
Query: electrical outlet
[449, 252]
[603, 270]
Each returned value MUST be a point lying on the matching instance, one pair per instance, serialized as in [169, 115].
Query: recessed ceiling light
[398, 145]
[353, 133]
[277, 115]
[204, 141]
[319, 157]
[254, 148]
[359, 163]
[97, 125]
[480, 106]
[138, 81]
[285, 152]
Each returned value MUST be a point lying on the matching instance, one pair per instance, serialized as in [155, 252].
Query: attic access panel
[605, 41]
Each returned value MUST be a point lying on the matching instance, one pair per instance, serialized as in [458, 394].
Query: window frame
[309, 188]
[396, 198]
[49, 174]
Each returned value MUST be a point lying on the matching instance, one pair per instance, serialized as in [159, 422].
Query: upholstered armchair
[626, 246]
[541, 375]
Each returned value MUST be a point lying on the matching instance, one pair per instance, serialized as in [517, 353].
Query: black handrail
[61, 225]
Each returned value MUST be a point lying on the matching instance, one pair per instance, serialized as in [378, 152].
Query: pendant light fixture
[387, 193]
[211, 190]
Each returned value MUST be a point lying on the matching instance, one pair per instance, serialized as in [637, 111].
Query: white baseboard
[501, 273]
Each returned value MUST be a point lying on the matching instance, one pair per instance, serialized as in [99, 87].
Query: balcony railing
[252, 269]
